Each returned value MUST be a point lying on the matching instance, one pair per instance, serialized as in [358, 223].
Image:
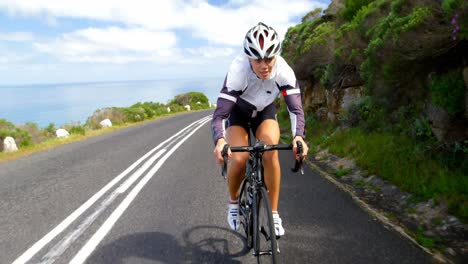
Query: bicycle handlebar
[262, 147]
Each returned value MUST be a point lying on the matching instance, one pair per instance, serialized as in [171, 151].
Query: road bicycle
[254, 203]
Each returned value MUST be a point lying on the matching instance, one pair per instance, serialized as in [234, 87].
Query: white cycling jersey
[252, 94]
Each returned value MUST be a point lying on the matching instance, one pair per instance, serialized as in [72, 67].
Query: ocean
[67, 103]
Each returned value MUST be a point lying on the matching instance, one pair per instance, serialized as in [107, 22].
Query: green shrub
[292, 44]
[151, 109]
[114, 114]
[356, 23]
[78, 130]
[312, 15]
[450, 6]
[8, 129]
[196, 101]
[157, 108]
[367, 114]
[448, 91]
[339, 51]
[190, 98]
[75, 129]
[49, 130]
[37, 135]
[328, 73]
[143, 108]
[352, 7]
[134, 114]
[353, 55]
[4, 133]
[407, 23]
[421, 128]
[456, 11]
[343, 172]
[199, 106]
[4, 124]
[386, 31]
[370, 64]
[175, 108]
[319, 36]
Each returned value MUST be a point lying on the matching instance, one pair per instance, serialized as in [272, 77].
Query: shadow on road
[200, 244]
[213, 244]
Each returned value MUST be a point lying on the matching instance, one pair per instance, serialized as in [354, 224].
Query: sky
[63, 41]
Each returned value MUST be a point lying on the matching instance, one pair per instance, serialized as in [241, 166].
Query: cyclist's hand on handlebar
[305, 148]
[218, 151]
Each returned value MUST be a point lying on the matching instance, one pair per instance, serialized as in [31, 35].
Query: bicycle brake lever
[297, 167]
[298, 164]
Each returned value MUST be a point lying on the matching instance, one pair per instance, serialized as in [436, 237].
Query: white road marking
[73, 235]
[28, 254]
[93, 242]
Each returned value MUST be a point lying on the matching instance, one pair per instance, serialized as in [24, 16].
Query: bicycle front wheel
[245, 210]
[264, 233]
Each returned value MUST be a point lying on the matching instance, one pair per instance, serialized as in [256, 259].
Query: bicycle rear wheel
[245, 211]
[264, 230]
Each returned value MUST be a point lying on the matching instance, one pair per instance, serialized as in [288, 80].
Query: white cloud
[149, 13]
[222, 25]
[211, 52]
[113, 44]
[12, 58]
[16, 36]
[9, 56]
[137, 39]
[188, 37]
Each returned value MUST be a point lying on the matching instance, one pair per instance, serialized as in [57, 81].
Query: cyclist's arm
[293, 101]
[292, 97]
[289, 88]
[233, 85]
[225, 103]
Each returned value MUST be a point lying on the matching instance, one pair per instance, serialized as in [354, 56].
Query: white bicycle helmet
[261, 42]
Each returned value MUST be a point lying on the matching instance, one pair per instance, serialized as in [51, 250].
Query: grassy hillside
[409, 125]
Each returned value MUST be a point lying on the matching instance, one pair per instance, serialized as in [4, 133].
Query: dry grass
[55, 142]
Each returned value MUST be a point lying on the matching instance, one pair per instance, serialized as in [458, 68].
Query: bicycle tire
[265, 246]
[245, 211]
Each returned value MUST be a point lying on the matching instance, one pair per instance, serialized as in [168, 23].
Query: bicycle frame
[257, 195]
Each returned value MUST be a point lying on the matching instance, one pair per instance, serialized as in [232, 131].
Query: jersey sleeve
[233, 87]
[226, 101]
[289, 88]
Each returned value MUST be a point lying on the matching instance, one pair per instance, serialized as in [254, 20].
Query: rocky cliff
[399, 68]
[409, 57]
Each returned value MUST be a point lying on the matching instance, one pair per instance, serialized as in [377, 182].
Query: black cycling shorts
[238, 118]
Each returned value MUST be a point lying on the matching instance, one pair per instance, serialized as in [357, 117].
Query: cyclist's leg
[236, 136]
[268, 131]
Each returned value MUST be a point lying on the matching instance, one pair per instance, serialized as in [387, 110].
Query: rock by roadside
[427, 222]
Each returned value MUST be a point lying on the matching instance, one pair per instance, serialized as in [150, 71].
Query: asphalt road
[152, 193]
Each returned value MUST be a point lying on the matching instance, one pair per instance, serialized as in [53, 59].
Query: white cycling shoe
[279, 230]
[233, 216]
